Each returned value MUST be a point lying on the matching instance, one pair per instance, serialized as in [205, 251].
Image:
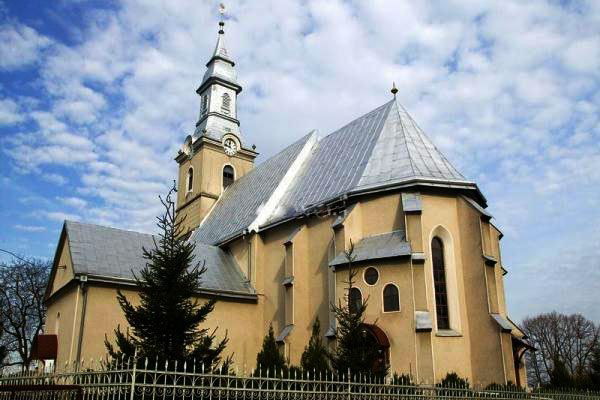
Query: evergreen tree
[314, 357]
[356, 352]
[594, 371]
[166, 323]
[270, 360]
[559, 375]
[454, 386]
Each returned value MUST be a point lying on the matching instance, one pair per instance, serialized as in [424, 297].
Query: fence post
[132, 389]
[349, 386]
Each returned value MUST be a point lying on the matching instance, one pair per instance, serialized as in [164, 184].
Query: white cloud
[74, 202]
[54, 178]
[30, 228]
[584, 55]
[20, 45]
[10, 113]
[58, 216]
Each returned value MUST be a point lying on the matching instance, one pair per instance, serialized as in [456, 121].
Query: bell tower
[214, 156]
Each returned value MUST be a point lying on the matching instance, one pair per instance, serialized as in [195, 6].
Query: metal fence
[173, 381]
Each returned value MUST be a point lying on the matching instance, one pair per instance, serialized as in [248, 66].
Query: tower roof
[220, 65]
[220, 50]
[381, 150]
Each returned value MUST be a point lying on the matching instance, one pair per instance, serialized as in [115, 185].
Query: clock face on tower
[230, 146]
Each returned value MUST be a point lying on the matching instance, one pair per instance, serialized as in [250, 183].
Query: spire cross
[221, 22]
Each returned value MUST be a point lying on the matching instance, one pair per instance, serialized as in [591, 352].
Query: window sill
[447, 333]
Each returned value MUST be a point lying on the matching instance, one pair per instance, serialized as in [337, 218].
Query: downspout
[84, 290]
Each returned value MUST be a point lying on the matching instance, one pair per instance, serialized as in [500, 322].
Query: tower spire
[218, 92]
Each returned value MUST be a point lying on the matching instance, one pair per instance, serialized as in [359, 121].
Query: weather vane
[222, 12]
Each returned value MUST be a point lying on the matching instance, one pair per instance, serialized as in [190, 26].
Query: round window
[371, 276]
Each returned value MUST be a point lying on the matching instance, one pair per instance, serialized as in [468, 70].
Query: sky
[96, 97]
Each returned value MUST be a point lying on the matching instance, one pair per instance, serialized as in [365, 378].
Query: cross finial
[221, 22]
[394, 89]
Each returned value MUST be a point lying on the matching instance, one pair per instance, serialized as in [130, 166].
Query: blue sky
[96, 97]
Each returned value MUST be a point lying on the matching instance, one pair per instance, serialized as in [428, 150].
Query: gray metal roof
[411, 202]
[220, 64]
[423, 321]
[385, 245]
[116, 253]
[285, 332]
[239, 205]
[502, 322]
[380, 149]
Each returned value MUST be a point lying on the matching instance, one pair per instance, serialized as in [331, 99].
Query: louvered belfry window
[439, 282]
[228, 176]
[190, 182]
[226, 104]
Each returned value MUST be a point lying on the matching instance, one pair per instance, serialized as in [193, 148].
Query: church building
[273, 237]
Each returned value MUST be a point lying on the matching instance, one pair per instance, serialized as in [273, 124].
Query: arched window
[354, 300]
[391, 298]
[226, 103]
[190, 179]
[439, 283]
[228, 176]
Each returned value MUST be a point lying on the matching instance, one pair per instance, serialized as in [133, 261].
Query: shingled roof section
[384, 245]
[384, 148]
[115, 253]
[240, 204]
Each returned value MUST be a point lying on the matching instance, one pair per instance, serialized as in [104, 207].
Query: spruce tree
[594, 371]
[314, 358]
[356, 352]
[166, 325]
[559, 375]
[270, 360]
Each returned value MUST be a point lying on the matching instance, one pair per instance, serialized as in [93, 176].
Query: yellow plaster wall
[481, 295]
[382, 214]
[310, 298]
[451, 354]
[398, 325]
[240, 251]
[103, 314]
[68, 306]
[207, 164]
[64, 269]
[213, 162]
